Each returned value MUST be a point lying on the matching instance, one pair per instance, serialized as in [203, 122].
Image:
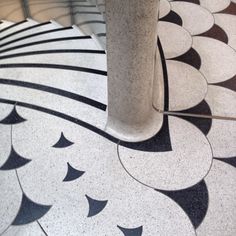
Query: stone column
[131, 53]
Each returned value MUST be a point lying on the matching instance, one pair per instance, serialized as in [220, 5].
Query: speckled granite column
[131, 50]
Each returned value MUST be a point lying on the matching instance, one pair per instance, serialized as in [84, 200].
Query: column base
[135, 132]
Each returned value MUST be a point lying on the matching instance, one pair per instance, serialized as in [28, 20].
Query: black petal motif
[229, 84]
[95, 206]
[204, 124]
[14, 161]
[173, 17]
[13, 118]
[193, 200]
[131, 232]
[216, 32]
[231, 161]
[72, 173]
[191, 57]
[29, 211]
[63, 142]
[231, 9]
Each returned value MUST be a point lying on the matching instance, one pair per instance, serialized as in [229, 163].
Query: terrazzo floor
[62, 174]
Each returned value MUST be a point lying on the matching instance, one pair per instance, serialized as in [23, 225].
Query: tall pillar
[131, 56]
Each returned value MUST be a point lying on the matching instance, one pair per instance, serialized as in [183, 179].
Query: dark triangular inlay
[204, 124]
[231, 161]
[29, 211]
[172, 17]
[216, 32]
[131, 232]
[229, 84]
[14, 161]
[231, 9]
[63, 142]
[193, 200]
[95, 206]
[72, 173]
[13, 118]
[191, 57]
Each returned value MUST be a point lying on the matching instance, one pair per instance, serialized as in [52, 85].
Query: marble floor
[62, 174]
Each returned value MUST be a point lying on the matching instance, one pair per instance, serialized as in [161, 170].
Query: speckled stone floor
[62, 174]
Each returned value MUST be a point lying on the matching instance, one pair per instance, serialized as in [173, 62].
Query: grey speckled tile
[85, 182]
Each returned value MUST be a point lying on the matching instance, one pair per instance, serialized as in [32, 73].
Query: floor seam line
[198, 115]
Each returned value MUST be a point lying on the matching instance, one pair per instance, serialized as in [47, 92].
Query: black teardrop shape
[72, 174]
[63, 142]
[13, 118]
[14, 161]
[95, 206]
[131, 232]
[231, 160]
[29, 211]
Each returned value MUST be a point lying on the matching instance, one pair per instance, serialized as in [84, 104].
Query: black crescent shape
[172, 17]
[95, 206]
[216, 32]
[231, 160]
[72, 173]
[29, 211]
[14, 161]
[63, 142]
[131, 232]
[13, 118]
[204, 124]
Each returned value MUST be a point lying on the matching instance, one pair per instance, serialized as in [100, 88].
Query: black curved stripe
[25, 29]
[91, 22]
[12, 26]
[53, 66]
[36, 34]
[56, 91]
[86, 51]
[88, 12]
[62, 116]
[165, 76]
[192, 1]
[44, 42]
[140, 145]
[159, 143]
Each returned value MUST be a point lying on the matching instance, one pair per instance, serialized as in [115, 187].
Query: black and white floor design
[61, 174]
